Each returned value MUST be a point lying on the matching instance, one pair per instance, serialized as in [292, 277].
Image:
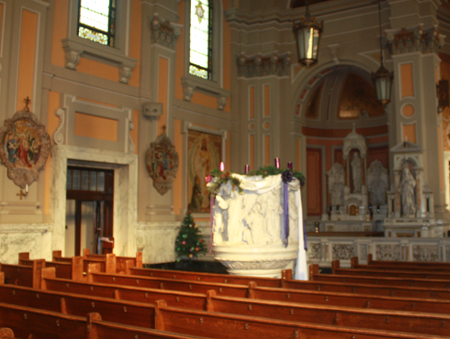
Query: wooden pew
[385, 281]
[170, 284]
[281, 294]
[400, 265]
[408, 264]
[401, 321]
[138, 313]
[125, 264]
[21, 275]
[350, 300]
[124, 312]
[229, 326]
[100, 329]
[397, 273]
[212, 277]
[108, 262]
[27, 322]
[173, 298]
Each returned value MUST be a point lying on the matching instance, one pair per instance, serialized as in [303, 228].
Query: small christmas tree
[189, 243]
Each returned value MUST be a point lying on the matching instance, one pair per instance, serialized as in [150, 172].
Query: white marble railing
[322, 250]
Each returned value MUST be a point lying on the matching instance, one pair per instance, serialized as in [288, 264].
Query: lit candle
[277, 163]
[246, 169]
[222, 166]
[290, 165]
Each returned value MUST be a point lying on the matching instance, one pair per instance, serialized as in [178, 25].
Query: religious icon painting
[161, 160]
[24, 147]
[204, 154]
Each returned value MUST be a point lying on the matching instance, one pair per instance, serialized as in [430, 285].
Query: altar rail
[322, 249]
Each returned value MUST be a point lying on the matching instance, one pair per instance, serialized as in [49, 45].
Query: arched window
[96, 21]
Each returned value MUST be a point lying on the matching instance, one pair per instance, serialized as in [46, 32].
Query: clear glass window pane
[84, 180]
[76, 180]
[93, 181]
[101, 181]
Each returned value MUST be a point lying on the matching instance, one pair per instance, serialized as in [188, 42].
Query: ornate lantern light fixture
[307, 34]
[382, 78]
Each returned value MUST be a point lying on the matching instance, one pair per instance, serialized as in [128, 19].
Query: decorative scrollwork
[343, 251]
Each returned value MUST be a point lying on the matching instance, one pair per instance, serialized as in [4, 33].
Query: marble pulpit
[250, 233]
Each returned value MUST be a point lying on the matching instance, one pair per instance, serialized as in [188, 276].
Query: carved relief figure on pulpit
[356, 173]
[407, 194]
[336, 182]
[377, 181]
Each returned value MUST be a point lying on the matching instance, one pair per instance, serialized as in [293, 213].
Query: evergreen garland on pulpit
[189, 243]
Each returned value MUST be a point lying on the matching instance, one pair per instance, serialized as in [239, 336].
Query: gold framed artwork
[204, 154]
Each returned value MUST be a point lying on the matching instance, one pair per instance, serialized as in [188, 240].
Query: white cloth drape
[235, 209]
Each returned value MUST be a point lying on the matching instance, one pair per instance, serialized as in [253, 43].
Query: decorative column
[415, 106]
[160, 33]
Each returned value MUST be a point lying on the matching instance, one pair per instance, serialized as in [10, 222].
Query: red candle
[247, 169]
[277, 163]
[222, 166]
[290, 165]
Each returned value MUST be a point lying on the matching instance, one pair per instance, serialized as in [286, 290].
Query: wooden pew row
[287, 282]
[229, 326]
[113, 263]
[212, 277]
[408, 264]
[385, 281]
[240, 291]
[27, 322]
[140, 314]
[173, 298]
[21, 275]
[195, 300]
[400, 265]
[108, 262]
[397, 273]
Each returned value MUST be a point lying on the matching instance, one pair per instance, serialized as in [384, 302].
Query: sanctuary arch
[346, 130]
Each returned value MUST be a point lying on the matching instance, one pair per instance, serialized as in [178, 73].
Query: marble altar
[248, 228]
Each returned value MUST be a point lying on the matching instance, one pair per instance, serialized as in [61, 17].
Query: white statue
[406, 190]
[377, 182]
[356, 173]
[336, 183]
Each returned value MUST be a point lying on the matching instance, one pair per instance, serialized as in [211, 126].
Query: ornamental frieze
[263, 65]
[414, 40]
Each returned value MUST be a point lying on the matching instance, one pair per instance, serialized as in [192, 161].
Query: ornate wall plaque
[24, 147]
[161, 160]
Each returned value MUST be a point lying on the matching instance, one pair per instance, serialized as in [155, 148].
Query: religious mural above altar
[24, 147]
[204, 154]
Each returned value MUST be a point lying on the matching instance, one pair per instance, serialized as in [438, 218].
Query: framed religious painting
[24, 147]
[204, 154]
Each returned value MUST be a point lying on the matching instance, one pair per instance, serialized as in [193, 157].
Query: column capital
[415, 39]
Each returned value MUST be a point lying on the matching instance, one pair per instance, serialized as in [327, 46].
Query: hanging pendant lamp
[382, 79]
[307, 33]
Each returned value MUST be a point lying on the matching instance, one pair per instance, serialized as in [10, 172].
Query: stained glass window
[200, 56]
[96, 21]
